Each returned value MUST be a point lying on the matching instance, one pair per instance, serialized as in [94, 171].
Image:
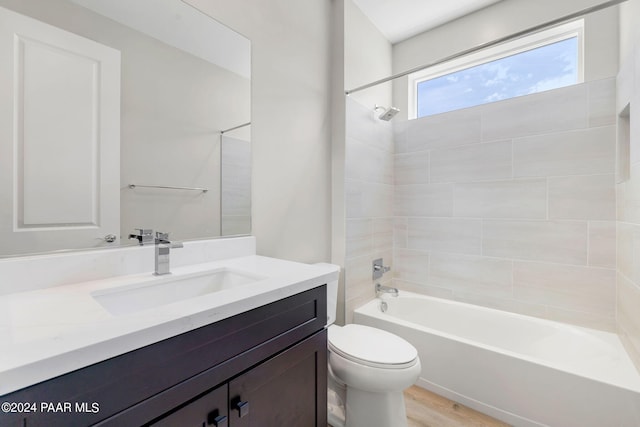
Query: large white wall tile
[359, 237]
[580, 152]
[583, 318]
[544, 112]
[424, 200]
[625, 83]
[358, 276]
[486, 161]
[423, 289]
[444, 235]
[382, 234]
[400, 232]
[444, 130]
[365, 199]
[628, 250]
[366, 163]
[553, 241]
[602, 102]
[400, 142]
[411, 265]
[506, 304]
[582, 197]
[578, 288]
[411, 168]
[629, 201]
[523, 198]
[491, 277]
[602, 244]
[628, 316]
[625, 242]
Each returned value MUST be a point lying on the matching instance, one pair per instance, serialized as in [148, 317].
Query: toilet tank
[332, 292]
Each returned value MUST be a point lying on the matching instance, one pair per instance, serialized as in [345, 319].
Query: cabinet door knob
[243, 408]
[220, 421]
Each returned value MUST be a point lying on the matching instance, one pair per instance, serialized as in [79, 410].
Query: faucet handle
[145, 235]
[379, 269]
[163, 239]
[160, 236]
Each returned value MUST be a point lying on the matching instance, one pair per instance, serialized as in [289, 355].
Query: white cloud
[553, 83]
[495, 96]
[500, 73]
[453, 79]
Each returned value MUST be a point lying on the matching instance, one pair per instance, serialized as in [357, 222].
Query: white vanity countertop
[48, 332]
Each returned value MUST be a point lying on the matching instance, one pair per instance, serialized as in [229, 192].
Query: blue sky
[547, 67]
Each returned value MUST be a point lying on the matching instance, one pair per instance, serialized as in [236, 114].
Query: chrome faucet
[163, 252]
[380, 289]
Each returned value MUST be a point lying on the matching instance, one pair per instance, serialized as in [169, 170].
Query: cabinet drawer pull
[243, 408]
[220, 421]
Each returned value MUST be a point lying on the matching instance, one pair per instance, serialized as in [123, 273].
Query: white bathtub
[523, 370]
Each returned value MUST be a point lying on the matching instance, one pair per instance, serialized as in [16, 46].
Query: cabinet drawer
[120, 384]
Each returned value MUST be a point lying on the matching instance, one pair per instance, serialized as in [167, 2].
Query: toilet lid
[371, 346]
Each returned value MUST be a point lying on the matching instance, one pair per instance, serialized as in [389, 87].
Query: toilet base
[368, 409]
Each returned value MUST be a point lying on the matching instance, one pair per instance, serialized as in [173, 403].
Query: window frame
[503, 50]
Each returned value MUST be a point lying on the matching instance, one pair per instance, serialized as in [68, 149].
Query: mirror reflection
[117, 115]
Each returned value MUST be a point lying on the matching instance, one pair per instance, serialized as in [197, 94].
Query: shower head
[388, 113]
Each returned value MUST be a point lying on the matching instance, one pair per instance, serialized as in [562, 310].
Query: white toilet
[368, 370]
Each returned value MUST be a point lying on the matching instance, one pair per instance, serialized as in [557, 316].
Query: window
[546, 60]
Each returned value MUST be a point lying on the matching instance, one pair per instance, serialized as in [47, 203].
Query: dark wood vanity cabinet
[266, 367]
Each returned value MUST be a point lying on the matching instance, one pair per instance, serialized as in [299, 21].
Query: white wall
[500, 20]
[367, 57]
[291, 125]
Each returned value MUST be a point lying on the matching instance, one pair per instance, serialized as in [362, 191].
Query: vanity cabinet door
[289, 389]
[207, 410]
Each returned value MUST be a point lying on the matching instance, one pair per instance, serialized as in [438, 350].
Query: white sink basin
[162, 290]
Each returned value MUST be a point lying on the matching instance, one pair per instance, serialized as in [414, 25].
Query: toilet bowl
[368, 370]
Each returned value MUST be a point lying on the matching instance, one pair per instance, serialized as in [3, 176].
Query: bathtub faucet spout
[380, 289]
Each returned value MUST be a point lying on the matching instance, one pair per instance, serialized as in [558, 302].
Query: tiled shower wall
[628, 188]
[369, 201]
[509, 205]
[235, 178]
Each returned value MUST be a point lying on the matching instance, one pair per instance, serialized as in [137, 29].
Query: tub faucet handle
[379, 269]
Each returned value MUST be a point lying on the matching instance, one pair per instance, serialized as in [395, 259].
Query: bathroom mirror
[117, 115]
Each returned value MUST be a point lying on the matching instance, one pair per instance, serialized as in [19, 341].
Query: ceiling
[398, 20]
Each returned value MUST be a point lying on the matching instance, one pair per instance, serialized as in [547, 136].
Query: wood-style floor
[426, 409]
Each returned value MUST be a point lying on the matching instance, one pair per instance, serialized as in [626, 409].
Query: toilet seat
[371, 347]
